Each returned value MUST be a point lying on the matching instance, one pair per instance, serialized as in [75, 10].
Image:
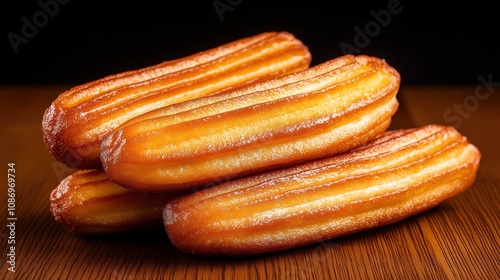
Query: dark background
[86, 40]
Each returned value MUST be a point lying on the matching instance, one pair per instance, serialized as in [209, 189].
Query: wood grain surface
[459, 239]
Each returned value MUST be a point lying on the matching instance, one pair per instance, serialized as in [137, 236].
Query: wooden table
[459, 239]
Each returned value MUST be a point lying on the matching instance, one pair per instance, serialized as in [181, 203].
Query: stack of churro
[245, 149]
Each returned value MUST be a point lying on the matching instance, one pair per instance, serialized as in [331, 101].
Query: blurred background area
[74, 41]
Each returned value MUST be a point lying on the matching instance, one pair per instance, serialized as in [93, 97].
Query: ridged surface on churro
[399, 174]
[318, 112]
[78, 120]
[87, 203]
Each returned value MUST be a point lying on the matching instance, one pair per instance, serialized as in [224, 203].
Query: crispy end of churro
[87, 203]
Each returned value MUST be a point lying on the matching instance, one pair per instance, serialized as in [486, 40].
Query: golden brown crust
[87, 203]
[399, 174]
[321, 111]
[76, 122]
[289, 82]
